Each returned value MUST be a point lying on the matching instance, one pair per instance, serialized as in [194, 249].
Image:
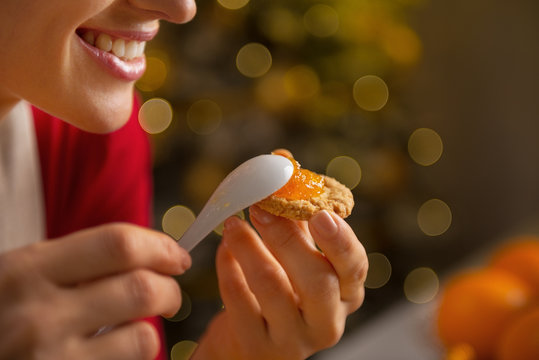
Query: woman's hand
[55, 295]
[284, 298]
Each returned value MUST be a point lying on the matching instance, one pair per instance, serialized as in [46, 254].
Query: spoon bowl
[250, 182]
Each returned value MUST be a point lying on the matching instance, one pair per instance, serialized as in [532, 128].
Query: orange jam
[303, 184]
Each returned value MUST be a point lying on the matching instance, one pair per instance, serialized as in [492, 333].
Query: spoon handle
[203, 225]
[249, 183]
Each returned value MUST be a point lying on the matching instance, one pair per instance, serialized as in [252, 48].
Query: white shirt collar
[22, 215]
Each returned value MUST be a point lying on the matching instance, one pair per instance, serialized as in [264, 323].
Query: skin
[36, 31]
[284, 298]
[55, 295]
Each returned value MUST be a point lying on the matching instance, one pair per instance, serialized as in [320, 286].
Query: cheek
[49, 69]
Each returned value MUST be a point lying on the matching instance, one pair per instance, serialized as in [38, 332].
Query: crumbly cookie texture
[336, 198]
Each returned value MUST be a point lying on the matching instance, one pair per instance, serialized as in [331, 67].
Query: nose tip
[182, 11]
[176, 11]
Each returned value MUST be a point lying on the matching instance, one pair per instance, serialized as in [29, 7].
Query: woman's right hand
[55, 295]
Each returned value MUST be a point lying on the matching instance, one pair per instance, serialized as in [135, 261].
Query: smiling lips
[123, 57]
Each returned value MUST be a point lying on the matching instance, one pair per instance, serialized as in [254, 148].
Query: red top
[91, 179]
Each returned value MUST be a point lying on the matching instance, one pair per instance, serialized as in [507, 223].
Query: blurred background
[427, 109]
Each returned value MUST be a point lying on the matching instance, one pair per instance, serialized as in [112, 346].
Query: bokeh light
[155, 115]
[155, 75]
[183, 350]
[402, 44]
[301, 82]
[379, 270]
[282, 26]
[270, 91]
[233, 4]
[321, 20]
[385, 172]
[185, 309]
[425, 146]
[176, 221]
[421, 285]
[253, 60]
[202, 179]
[346, 170]
[204, 116]
[371, 93]
[434, 217]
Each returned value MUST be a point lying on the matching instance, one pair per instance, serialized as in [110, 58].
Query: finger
[239, 301]
[344, 251]
[134, 341]
[125, 297]
[110, 249]
[311, 275]
[264, 275]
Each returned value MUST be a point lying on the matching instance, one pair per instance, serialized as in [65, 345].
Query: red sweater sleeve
[91, 179]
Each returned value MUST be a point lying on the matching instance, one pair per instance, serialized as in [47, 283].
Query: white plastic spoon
[252, 181]
[246, 185]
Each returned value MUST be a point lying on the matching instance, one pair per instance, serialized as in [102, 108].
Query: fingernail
[231, 223]
[180, 256]
[261, 216]
[186, 262]
[324, 223]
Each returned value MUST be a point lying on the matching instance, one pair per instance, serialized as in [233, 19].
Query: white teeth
[118, 47]
[89, 37]
[131, 50]
[140, 48]
[126, 50]
[104, 42]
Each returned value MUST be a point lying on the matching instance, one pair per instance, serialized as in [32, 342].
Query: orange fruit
[520, 257]
[521, 339]
[477, 305]
[461, 352]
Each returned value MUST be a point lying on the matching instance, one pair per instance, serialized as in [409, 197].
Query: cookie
[335, 197]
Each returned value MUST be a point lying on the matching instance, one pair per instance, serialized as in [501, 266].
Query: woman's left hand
[284, 297]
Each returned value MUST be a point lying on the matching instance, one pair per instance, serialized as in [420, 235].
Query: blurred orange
[520, 257]
[461, 352]
[521, 340]
[476, 306]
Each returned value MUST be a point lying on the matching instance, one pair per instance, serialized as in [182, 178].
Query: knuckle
[270, 280]
[358, 272]
[356, 302]
[347, 246]
[329, 335]
[333, 334]
[286, 240]
[285, 237]
[119, 243]
[141, 290]
[323, 287]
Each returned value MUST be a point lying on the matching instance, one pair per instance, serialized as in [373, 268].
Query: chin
[107, 120]
[101, 117]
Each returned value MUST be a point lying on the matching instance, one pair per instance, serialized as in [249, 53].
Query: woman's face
[79, 59]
